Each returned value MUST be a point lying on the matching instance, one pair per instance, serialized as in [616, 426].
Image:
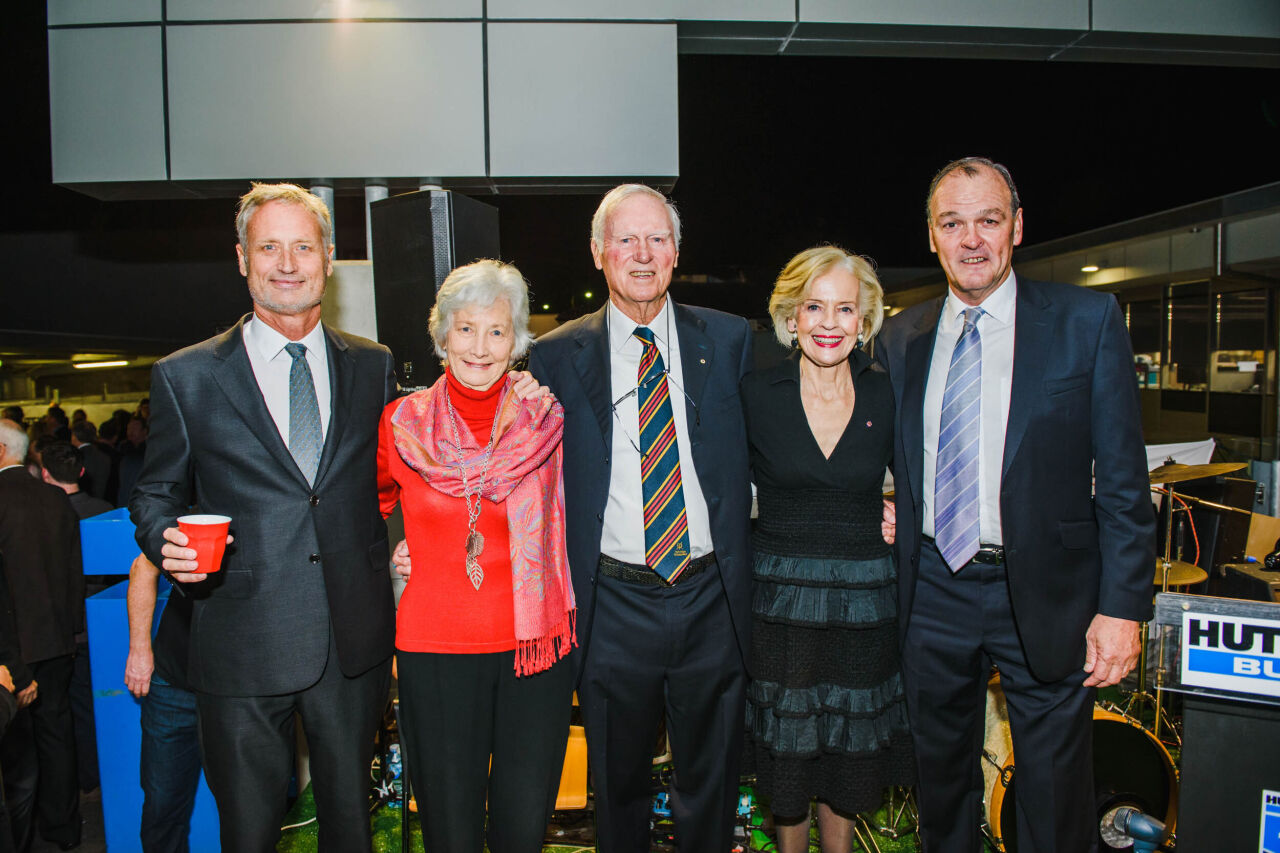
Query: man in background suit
[1025, 533]
[40, 544]
[97, 464]
[274, 423]
[663, 620]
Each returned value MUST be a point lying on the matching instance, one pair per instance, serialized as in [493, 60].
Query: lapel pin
[868, 423]
[702, 361]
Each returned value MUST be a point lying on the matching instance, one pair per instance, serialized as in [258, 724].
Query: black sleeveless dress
[826, 715]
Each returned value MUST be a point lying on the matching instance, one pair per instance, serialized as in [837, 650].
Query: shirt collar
[269, 343]
[621, 327]
[998, 306]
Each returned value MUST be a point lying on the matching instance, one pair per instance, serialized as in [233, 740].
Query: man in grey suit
[274, 423]
[663, 620]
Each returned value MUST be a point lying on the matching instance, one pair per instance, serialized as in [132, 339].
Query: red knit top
[440, 611]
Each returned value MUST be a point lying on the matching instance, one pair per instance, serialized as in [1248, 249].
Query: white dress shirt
[271, 366]
[623, 535]
[995, 328]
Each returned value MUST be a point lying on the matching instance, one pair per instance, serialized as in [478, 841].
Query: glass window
[1188, 335]
[1240, 359]
[1143, 319]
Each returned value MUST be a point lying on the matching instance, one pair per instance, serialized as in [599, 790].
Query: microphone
[1127, 823]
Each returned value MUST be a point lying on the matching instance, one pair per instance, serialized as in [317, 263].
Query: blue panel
[118, 720]
[107, 545]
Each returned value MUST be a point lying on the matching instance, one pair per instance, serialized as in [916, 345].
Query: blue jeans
[170, 766]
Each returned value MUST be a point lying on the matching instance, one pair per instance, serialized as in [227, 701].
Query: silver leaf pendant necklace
[475, 539]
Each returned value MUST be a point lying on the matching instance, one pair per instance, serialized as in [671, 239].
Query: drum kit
[1132, 765]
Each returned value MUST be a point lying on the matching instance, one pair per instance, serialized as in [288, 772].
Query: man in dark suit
[62, 466]
[1025, 533]
[40, 543]
[661, 570]
[274, 423]
[97, 463]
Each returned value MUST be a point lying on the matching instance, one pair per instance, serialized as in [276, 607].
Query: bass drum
[1130, 768]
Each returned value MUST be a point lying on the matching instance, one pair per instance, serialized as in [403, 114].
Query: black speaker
[418, 239]
[1229, 757]
[1251, 581]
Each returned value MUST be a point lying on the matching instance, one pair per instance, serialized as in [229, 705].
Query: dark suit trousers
[655, 648]
[960, 624]
[43, 760]
[247, 744]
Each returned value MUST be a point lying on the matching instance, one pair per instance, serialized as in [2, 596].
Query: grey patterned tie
[305, 439]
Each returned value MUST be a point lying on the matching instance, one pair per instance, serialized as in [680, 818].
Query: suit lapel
[918, 357]
[697, 355]
[234, 375]
[1032, 344]
[341, 376]
[592, 363]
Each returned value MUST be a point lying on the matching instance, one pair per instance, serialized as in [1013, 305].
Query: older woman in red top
[488, 614]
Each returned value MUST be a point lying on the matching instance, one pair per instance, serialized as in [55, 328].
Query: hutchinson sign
[1239, 654]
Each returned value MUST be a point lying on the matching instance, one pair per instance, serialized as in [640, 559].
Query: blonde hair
[792, 288]
[260, 194]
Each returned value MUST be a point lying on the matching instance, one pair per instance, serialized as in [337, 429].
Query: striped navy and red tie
[666, 527]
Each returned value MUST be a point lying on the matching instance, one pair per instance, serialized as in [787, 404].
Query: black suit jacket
[715, 353]
[1073, 410]
[40, 541]
[10, 653]
[304, 557]
[97, 470]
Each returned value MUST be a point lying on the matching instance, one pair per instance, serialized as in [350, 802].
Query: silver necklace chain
[475, 539]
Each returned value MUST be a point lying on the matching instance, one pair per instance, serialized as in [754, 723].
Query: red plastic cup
[208, 535]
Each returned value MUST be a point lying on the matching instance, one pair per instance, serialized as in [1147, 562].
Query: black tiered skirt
[826, 715]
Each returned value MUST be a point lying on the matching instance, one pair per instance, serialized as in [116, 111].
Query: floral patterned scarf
[525, 472]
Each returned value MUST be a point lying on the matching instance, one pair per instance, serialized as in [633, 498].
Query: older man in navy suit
[1025, 534]
[657, 501]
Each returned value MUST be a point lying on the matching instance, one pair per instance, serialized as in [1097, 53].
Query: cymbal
[1174, 472]
[1180, 573]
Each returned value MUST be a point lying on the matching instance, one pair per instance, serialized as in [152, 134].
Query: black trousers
[39, 759]
[247, 745]
[459, 713]
[81, 696]
[656, 650]
[960, 624]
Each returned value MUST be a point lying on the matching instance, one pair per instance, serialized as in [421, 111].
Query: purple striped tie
[955, 487]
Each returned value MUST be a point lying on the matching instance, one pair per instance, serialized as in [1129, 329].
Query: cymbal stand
[1141, 696]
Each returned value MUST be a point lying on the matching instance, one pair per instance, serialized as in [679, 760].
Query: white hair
[14, 438]
[479, 285]
[617, 196]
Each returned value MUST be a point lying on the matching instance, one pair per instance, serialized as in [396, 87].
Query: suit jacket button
[315, 558]
[599, 516]
[314, 500]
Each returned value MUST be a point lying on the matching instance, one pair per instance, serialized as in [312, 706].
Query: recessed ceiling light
[1089, 268]
[85, 365]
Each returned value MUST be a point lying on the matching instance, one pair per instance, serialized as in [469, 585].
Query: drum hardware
[1132, 769]
[1173, 472]
[1178, 573]
[900, 813]
[1172, 572]
[865, 835]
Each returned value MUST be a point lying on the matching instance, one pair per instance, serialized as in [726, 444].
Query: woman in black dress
[826, 716]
